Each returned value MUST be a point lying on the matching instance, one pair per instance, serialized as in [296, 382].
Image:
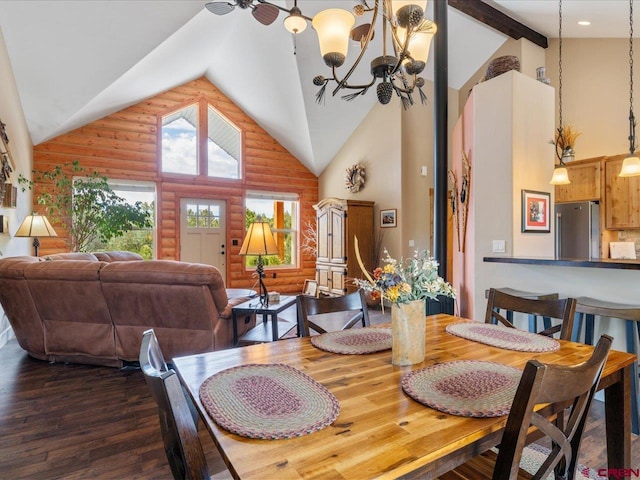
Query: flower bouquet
[407, 284]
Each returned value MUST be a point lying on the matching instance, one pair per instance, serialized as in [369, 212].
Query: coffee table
[259, 333]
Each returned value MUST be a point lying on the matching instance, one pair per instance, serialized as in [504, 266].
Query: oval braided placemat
[356, 341]
[503, 337]
[272, 401]
[468, 388]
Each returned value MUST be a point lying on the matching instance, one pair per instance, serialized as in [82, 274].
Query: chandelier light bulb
[333, 27]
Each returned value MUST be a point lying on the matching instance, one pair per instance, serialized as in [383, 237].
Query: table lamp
[35, 226]
[260, 241]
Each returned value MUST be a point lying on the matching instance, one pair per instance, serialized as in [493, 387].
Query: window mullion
[203, 134]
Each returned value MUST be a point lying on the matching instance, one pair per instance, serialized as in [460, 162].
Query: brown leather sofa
[93, 308]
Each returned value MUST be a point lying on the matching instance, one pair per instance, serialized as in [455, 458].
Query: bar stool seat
[533, 319]
[588, 308]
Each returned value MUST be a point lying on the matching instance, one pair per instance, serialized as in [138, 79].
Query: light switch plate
[499, 246]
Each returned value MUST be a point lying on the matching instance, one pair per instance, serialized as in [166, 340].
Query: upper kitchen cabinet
[585, 176]
[622, 197]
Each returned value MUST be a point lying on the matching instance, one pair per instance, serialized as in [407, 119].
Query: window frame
[293, 197]
[202, 135]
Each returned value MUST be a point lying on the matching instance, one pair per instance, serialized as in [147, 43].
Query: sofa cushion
[90, 257]
[117, 256]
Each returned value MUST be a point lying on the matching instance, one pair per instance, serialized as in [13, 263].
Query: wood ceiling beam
[494, 18]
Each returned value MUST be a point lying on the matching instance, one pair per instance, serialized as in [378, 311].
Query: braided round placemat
[354, 341]
[272, 401]
[468, 388]
[503, 337]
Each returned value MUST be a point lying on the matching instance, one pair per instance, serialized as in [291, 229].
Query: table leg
[234, 317]
[617, 402]
[274, 326]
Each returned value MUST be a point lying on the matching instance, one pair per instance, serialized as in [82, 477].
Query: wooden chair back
[179, 433]
[549, 383]
[562, 309]
[307, 306]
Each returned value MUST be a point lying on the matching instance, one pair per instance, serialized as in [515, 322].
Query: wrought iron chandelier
[406, 39]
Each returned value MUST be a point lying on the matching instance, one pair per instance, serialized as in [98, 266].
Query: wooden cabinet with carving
[586, 178]
[622, 197]
[338, 221]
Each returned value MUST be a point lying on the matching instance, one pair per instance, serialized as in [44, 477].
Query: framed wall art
[388, 218]
[536, 215]
[310, 288]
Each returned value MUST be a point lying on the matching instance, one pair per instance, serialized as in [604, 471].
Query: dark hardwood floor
[69, 421]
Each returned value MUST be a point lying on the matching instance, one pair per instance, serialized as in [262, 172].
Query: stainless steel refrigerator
[578, 230]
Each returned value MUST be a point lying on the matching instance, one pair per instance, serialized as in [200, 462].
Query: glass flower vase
[408, 328]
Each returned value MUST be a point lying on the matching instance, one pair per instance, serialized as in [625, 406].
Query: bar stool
[533, 319]
[590, 307]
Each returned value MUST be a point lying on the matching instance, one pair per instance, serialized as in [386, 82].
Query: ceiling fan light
[294, 22]
[560, 177]
[333, 27]
[630, 166]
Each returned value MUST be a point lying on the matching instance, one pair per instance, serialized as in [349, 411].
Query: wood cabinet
[338, 222]
[585, 176]
[622, 197]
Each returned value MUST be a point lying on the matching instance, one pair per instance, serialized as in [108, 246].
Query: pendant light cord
[560, 65]
[632, 120]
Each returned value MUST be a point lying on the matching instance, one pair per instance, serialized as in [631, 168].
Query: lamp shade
[294, 22]
[333, 27]
[560, 177]
[35, 226]
[259, 240]
[398, 4]
[630, 167]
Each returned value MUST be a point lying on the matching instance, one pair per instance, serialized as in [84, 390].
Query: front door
[202, 232]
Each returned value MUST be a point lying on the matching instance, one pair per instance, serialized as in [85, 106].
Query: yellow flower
[388, 268]
[393, 293]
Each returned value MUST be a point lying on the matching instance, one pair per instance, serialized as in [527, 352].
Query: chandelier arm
[354, 87]
[342, 83]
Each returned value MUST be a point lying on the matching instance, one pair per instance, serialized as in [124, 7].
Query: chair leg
[631, 348]
[577, 327]
[588, 329]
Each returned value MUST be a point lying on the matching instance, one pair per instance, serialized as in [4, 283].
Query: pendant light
[295, 22]
[560, 173]
[631, 164]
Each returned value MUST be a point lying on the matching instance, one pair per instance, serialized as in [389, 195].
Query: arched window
[182, 140]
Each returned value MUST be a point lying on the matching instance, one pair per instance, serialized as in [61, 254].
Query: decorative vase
[408, 328]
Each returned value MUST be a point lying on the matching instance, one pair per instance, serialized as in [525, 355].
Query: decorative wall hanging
[6, 161]
[459, 198]
[388, 218]
[354, 179]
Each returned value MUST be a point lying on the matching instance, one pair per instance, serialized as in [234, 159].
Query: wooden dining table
[381, 432]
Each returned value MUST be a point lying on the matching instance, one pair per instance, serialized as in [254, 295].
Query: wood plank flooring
[76, 422]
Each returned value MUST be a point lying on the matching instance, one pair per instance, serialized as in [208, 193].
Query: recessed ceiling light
[584, 23]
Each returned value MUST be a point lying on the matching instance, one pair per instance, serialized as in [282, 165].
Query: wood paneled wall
[124, 145]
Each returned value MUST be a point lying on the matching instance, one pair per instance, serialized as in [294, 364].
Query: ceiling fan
[263, 11]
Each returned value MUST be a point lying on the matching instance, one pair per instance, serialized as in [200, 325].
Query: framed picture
[310, 288]
[536, 211]
[388, 218]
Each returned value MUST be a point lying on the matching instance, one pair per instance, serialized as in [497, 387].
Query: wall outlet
[423, 170]
[499, 246]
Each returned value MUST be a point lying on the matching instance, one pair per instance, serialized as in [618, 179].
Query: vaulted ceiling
[77, 61]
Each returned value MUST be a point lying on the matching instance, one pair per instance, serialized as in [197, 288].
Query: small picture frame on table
[310, 288]
[388, 218]
[536, 216]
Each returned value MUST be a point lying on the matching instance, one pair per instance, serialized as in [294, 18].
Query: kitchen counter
[569, 262]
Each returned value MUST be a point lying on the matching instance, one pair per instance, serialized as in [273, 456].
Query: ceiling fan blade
[265, 13]
[219, 8]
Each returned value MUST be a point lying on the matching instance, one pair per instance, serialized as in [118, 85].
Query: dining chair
[573, 386]
[307, 306]
[179, 432]
[561, 309]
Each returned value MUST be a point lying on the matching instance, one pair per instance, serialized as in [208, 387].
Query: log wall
[124, 145]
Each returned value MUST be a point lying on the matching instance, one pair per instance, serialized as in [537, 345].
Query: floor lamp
[35, 226]
[260, 241]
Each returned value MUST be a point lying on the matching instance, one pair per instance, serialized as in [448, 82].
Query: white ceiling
[77, 61]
